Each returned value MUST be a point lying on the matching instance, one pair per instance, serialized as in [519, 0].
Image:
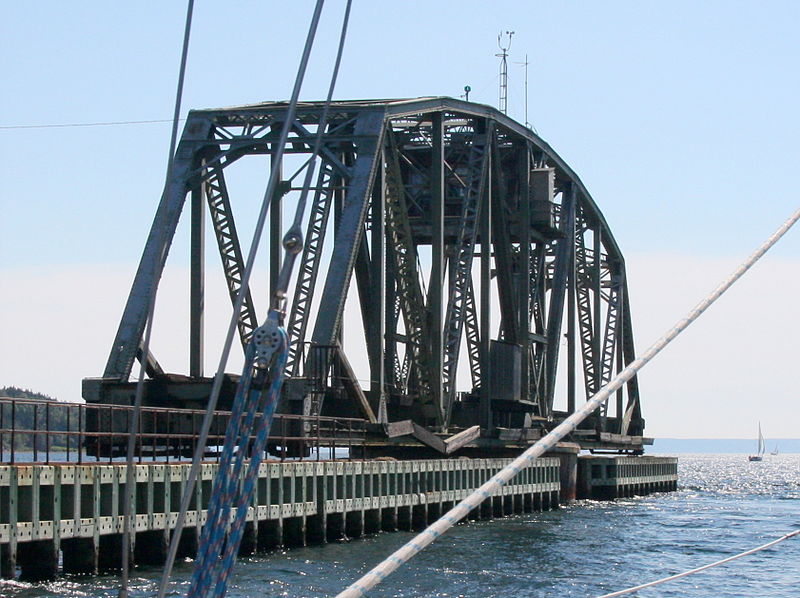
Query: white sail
[761, 446]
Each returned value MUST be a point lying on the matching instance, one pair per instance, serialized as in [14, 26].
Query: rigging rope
[265, 362]
[145, 348]
[245, 283]
[703, 568]
[209, 570]
[420, 541]
[113, 123]
[293, 240]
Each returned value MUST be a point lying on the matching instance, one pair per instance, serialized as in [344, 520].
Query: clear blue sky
[680, 117]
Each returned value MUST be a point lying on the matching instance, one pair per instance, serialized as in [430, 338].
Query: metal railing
[34, 431]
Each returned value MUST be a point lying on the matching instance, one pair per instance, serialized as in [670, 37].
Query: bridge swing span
[467, 246]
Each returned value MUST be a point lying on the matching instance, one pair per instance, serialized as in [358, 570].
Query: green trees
[30, 415]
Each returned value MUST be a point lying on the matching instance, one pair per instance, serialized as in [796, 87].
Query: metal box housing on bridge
[542, 191]
[506, 366]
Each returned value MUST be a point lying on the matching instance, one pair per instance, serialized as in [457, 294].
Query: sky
[681, 119]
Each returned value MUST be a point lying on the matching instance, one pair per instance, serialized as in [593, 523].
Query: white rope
[703, 568]
[457, 513]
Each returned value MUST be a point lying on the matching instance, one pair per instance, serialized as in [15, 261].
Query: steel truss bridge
[490, 293]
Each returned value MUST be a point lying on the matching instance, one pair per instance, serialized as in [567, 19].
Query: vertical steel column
[523, 289]
[485, 405]
[313, 244]
[197, 282]
[378, 307]
[611, 341]
[437, 258]
[572, 305]
[463, 253]
[563, 262]
[275, 225]
[619, 394]
[391, 361]
[597, 299]
[538, 286]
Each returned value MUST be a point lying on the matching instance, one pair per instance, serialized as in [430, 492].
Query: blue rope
[226, 489]
[221, 484]
[246, 496]
[211, 571]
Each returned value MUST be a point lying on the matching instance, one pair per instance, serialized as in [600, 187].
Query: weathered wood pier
[72, 514]
[615, 476]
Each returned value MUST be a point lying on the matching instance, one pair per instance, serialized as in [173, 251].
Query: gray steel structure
[459, 228]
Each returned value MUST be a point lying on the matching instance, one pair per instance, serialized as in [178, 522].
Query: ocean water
[724, 505]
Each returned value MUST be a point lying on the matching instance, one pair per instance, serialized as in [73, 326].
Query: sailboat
[761, 447]
[775, 452]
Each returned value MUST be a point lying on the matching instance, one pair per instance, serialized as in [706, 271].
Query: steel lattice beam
[610, 337]
[473, 334]
[409, 295]
[230, 252]
[477, 166]
[309, 265]
[584, 287]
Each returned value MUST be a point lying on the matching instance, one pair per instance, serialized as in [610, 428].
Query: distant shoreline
[721, 445]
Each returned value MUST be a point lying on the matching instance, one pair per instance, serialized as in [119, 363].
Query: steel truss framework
[475, 251]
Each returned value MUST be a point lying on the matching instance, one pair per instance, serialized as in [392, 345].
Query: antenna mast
[525, 64]
[504, 69]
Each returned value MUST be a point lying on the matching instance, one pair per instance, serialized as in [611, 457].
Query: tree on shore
[26, 416]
